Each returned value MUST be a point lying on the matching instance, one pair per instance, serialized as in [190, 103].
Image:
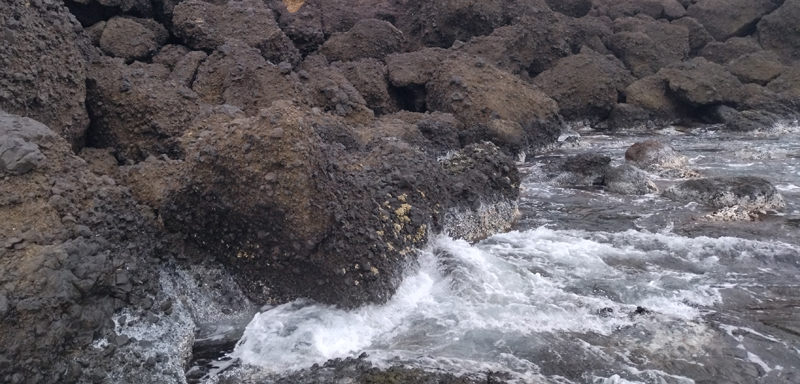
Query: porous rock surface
[747, 192]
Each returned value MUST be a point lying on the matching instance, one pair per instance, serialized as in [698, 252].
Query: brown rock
[722, 53]
[731, 18]
[698, 82]
[128, 40]
[652, 95]
[698, 36]
[370, 78]
[760, 67]
[645, 46]
[779, 29]
[368, 39]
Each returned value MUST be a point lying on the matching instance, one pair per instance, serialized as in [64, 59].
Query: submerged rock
[628, 180]
[747, 192]
[654, 155]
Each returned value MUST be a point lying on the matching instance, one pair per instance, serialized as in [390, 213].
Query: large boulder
[779, 29]
[628, 180]
[698, 35]
[43, 73]
[747, 192]
[128, 40]
[572, 8]
[74, 249]
[293, 216]
[327, 88]
[645, 45]
[724, 19]
[368, 39]
[135, 111]
[759, 67]
[205, 26]
[787, 84]
[370, 78]
[586, 86]
[654, 155]
[477, 93]
[698, 82]
[724, 52]
[652, 94]
[583, 170]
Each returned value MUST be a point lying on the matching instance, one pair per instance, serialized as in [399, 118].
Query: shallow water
[590, 287]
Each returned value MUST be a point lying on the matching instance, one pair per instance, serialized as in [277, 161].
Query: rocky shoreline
[165, 164]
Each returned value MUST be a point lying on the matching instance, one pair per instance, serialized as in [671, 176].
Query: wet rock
[236, 74]
[723, 52]
[627, 116]
[698, 36]
[135, 113]
[628, 180]
[759, 67]
[205, 26]
[585, 86]
[654, 155]
[747, 192]
[725, 19]
[580, 170]
[368, 39]
[645, 46]
[778, 30]
[698, 82]
[43, 72]
[744, 121]
[128, 40]
[370, 78]
[477, 93]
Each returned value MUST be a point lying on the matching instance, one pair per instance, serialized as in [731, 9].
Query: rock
[585, 86]
[327, 88]
[787, 84]
[43, 72]
[778, 30]
[652, 95]
[18, 156]
[572, 8]
[749, 193]
[698, 36]
[731, 18]
[722, 53]
[135, 113]
[236, 74]
[370, 78]
[645, 46]
[368, 39]
[205, 26]
[744, 121]
[760, 67]
[760, 98]
[185, 70]
[95, 32]
[128, 40]
[654, 156]
[628, 180]
[587, 169]
[477, 93]
[698, 82]
[436, 134]
[169, 55]
[100, 161]
[627, 116]
[629, 8]
[414, 68]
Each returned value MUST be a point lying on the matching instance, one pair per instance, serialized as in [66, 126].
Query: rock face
[74, 249]
[750, 193]
[43, 73]
[725, 18]
[311, 220]
[585, 85]
[205, 26]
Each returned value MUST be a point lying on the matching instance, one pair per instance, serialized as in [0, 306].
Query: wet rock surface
[751, 193]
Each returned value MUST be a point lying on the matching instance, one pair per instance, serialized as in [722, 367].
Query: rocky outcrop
[645, 46]
[309, 219]
[747, 192]
[652, 95]
[698, 82]
[74, 248]
[654, 155]
[585, 85]
[698, 35]
[779, 31]
[371, 78]
[205, 26]
[368, 39]
[43, 73]
[724, 19]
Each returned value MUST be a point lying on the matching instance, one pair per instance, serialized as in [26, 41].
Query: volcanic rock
[722, 53]
[759, 67]
[645, 46]
[128, 40]
[368, 39]
[724, 19]
[699, 82]
[747, 192]
[779, 31]
[628, 180]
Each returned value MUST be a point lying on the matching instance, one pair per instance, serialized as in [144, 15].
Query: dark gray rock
[724, 52]
[128, 40]
[628, 180]
[368, 39]
[779, 30]
[18, 156]
[731, 18]
[698, 36]
[747, 192]
[698, 82]
[654, 155]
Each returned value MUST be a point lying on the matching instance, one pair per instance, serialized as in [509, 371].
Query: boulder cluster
[307, 148]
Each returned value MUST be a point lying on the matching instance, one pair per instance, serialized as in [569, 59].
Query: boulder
[238, 75]
[724, 52]
[586, 86]
[698, 36]
[185, 70]
[628, 180]
[787, 84]
[747, 192]
[135, 112]
[95, 32]
[414, 68]
[645, 46]
[724, 19]
[616, 9]
[368, 39]
[652, 94]
[205, 26]
[654, 155]
[759, 67]
[128, 40]
[74, 250]
[308, 219]
[587, 169]
[572, 8]
[170, 54]
[744, 121]
[435, 134]
[779, 30]
[327, 88]
[698, 82]
[476, 93]
[627, 116]
[43, 74]
[370, 78]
